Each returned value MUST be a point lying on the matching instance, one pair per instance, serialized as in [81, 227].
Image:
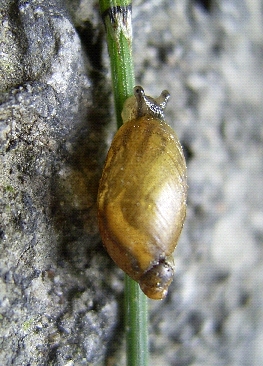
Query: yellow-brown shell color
[142, 197]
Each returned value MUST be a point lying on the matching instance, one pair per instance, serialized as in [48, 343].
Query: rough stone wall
[60, 294]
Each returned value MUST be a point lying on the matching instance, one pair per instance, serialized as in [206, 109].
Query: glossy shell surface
[142, 201]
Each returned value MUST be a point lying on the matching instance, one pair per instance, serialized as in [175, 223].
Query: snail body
[142, 194]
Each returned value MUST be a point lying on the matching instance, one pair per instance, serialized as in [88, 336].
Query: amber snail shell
[142, 194]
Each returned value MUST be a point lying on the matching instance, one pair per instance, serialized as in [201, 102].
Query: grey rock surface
[57, 302]
[60, 294]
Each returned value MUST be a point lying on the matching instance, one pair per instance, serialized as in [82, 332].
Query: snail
[142, 194]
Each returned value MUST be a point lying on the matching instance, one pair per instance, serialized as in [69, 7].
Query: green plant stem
[116, 15]
[136, 324]
[119, 39]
